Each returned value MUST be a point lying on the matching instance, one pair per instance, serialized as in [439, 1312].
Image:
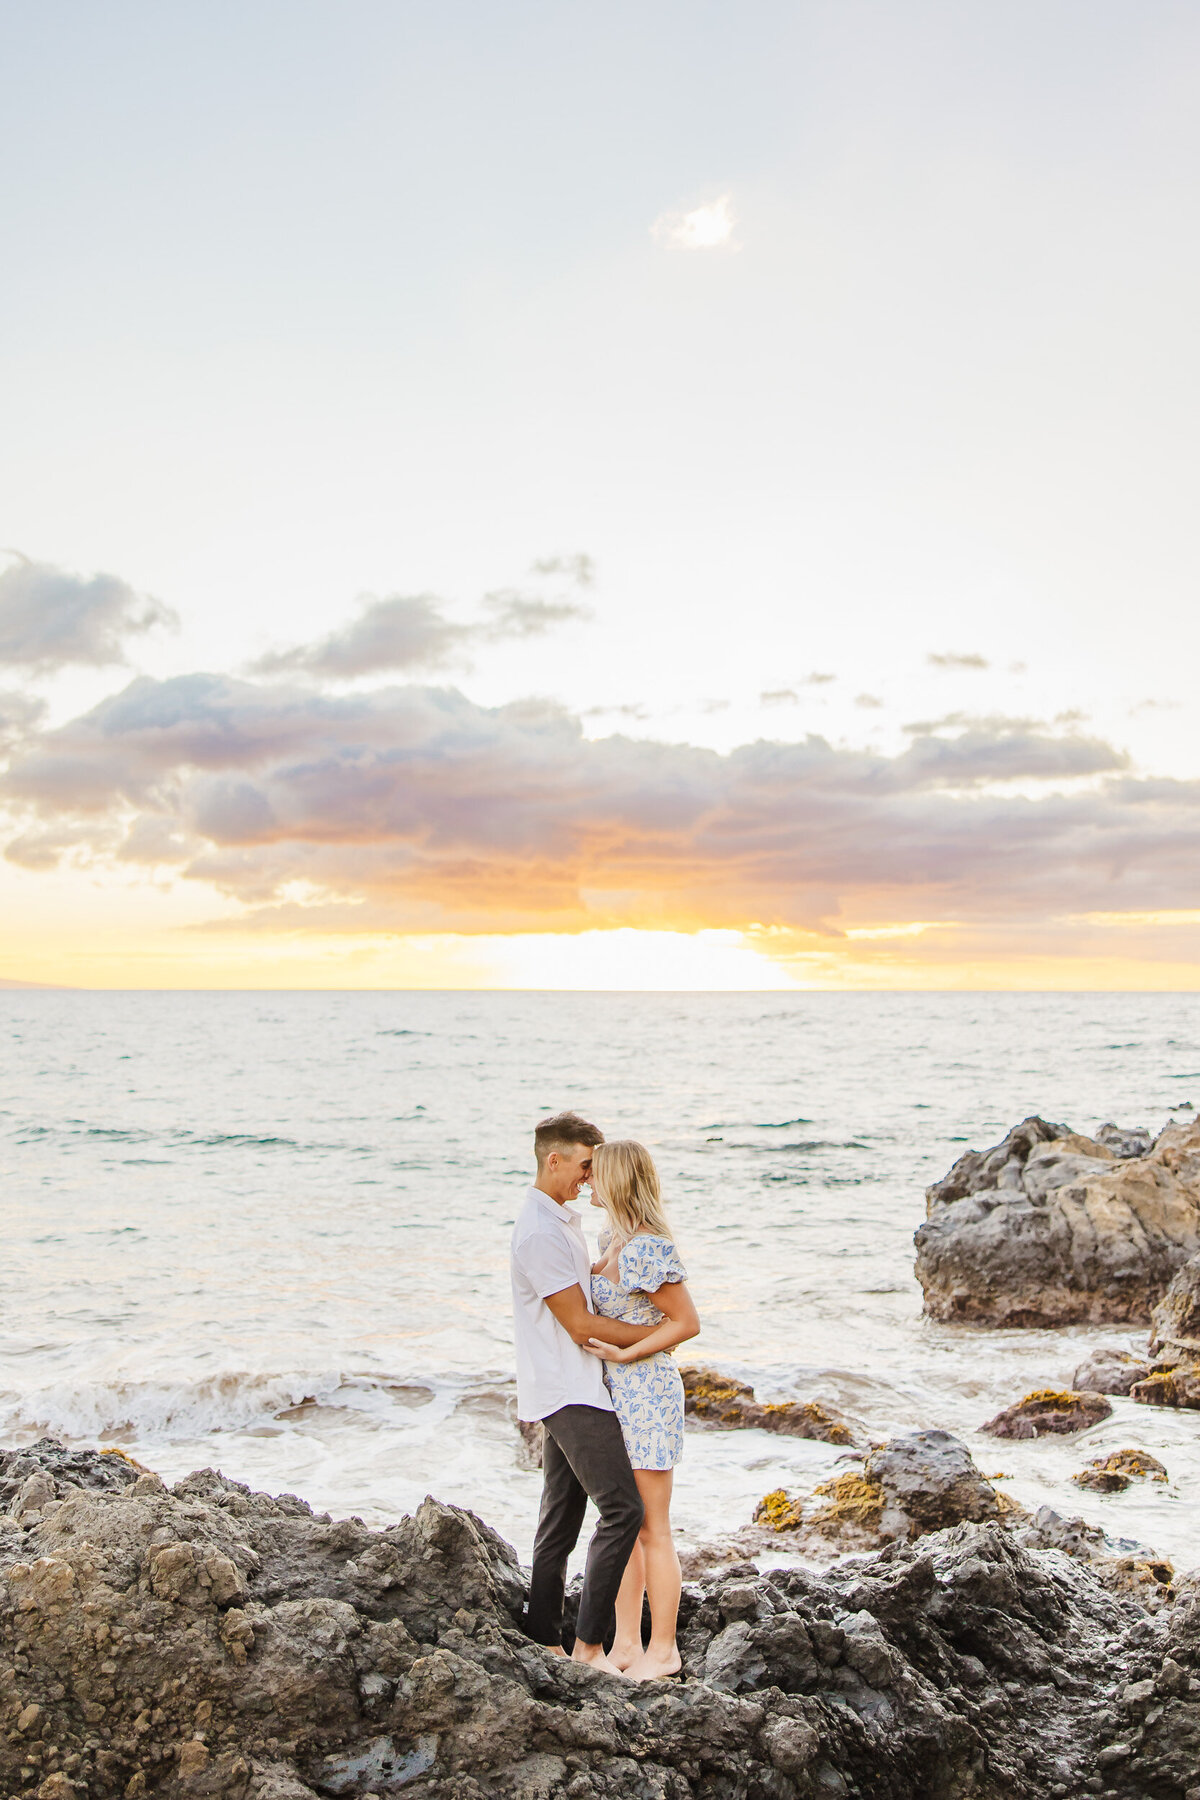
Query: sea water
[269, 1232]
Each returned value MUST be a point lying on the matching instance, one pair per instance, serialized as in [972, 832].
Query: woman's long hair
[625, 1181]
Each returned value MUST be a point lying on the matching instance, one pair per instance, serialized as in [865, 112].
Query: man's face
[569, 1168]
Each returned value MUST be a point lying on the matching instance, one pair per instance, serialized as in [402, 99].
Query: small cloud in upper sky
[816, 679]
[578, 568]
[952, 660]
[632, 710]
[1018, 668]
[411, 631]
[998, 724]
[524, 615]
[714, 706]
[778, 697]
[707, 227]
[871, 701]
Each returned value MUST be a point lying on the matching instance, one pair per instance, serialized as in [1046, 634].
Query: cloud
[779, 697]
[632, 709]
[707, 227]
[20, 716]
[951, 660]
[404, 633]
[51, 619]
[576, 567]
[816, 679]
[870, 702]
[519, 615]
[413, 808]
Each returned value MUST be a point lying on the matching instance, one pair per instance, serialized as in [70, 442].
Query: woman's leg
[662, 1576]
[627, 1645]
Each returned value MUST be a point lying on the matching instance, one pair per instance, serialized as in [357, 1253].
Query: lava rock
[929, 1481]
[1109, 1372]
[721, 1400]
[1175, 1321]
[1113, 1474]
[337, 1660]
[1049, 1412]
[1053, 1228]
[1177, 1385]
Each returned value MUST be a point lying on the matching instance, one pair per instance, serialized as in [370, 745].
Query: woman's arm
[681, 1322]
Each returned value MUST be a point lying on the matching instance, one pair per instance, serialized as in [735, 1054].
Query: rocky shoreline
[906, 1631]
[204, 1640]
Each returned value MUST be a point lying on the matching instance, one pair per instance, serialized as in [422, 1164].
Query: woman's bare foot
[654, 1665]
[624, 1654]
[592, 1657]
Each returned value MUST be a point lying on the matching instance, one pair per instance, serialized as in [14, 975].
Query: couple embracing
[606, 1391]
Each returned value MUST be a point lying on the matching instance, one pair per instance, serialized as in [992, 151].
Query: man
[558, 1382]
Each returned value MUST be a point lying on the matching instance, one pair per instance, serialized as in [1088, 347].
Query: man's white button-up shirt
[549, 1253]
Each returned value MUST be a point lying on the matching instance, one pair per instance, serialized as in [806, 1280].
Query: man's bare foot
[592, 1657]
[624, 1654]
[654, 1665]
[554, 1650]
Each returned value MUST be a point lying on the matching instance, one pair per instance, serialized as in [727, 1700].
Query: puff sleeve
[645, 1263]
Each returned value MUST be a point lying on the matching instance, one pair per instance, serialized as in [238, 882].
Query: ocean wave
[166, 1411]
[161, 1409]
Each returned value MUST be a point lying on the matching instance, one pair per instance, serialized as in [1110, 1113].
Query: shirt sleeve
[647, 1262]
[546, 1261]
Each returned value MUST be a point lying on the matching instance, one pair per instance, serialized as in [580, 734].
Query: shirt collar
[566, 1214]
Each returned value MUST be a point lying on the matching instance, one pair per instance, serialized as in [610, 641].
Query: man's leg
[564, 1503]
[590, 1440]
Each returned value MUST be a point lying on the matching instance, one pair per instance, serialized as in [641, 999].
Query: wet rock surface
[939, 1486]
[1112, 1474]
[1049, 1412]
[723, 1401]
[1110, 1372]
[1052, 1228]
[206, 1640]
[1175, 1321]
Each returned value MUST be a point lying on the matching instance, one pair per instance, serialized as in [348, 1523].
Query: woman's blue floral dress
[647, 1395]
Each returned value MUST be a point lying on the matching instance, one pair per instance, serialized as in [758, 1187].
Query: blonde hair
[625, 1181]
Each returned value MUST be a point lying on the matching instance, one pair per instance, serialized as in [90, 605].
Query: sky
[543, 495]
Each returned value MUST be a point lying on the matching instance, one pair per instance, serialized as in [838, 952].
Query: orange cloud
[413, 809]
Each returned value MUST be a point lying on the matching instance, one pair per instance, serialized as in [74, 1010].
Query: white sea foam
[153, 1410]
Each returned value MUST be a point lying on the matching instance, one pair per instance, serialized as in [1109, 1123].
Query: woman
[640, 1278]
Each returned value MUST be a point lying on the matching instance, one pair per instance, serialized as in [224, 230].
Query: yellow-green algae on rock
[1113, 1474]
[722, 1400]
[780, 1511]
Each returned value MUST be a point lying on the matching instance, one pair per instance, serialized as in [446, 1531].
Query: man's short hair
[560, 1132]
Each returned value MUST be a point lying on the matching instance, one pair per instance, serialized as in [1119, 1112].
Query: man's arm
[571, 1310]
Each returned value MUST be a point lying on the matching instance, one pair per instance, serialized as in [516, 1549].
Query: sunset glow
[521, 592]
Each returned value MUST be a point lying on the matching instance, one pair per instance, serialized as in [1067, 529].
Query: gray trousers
[584, 1458]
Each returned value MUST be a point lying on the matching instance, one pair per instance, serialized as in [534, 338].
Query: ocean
[268, 1232]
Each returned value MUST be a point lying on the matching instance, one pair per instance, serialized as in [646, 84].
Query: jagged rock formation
[1052, 1228]
[206, 1641]
[724, 1401]
[927, 1482]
